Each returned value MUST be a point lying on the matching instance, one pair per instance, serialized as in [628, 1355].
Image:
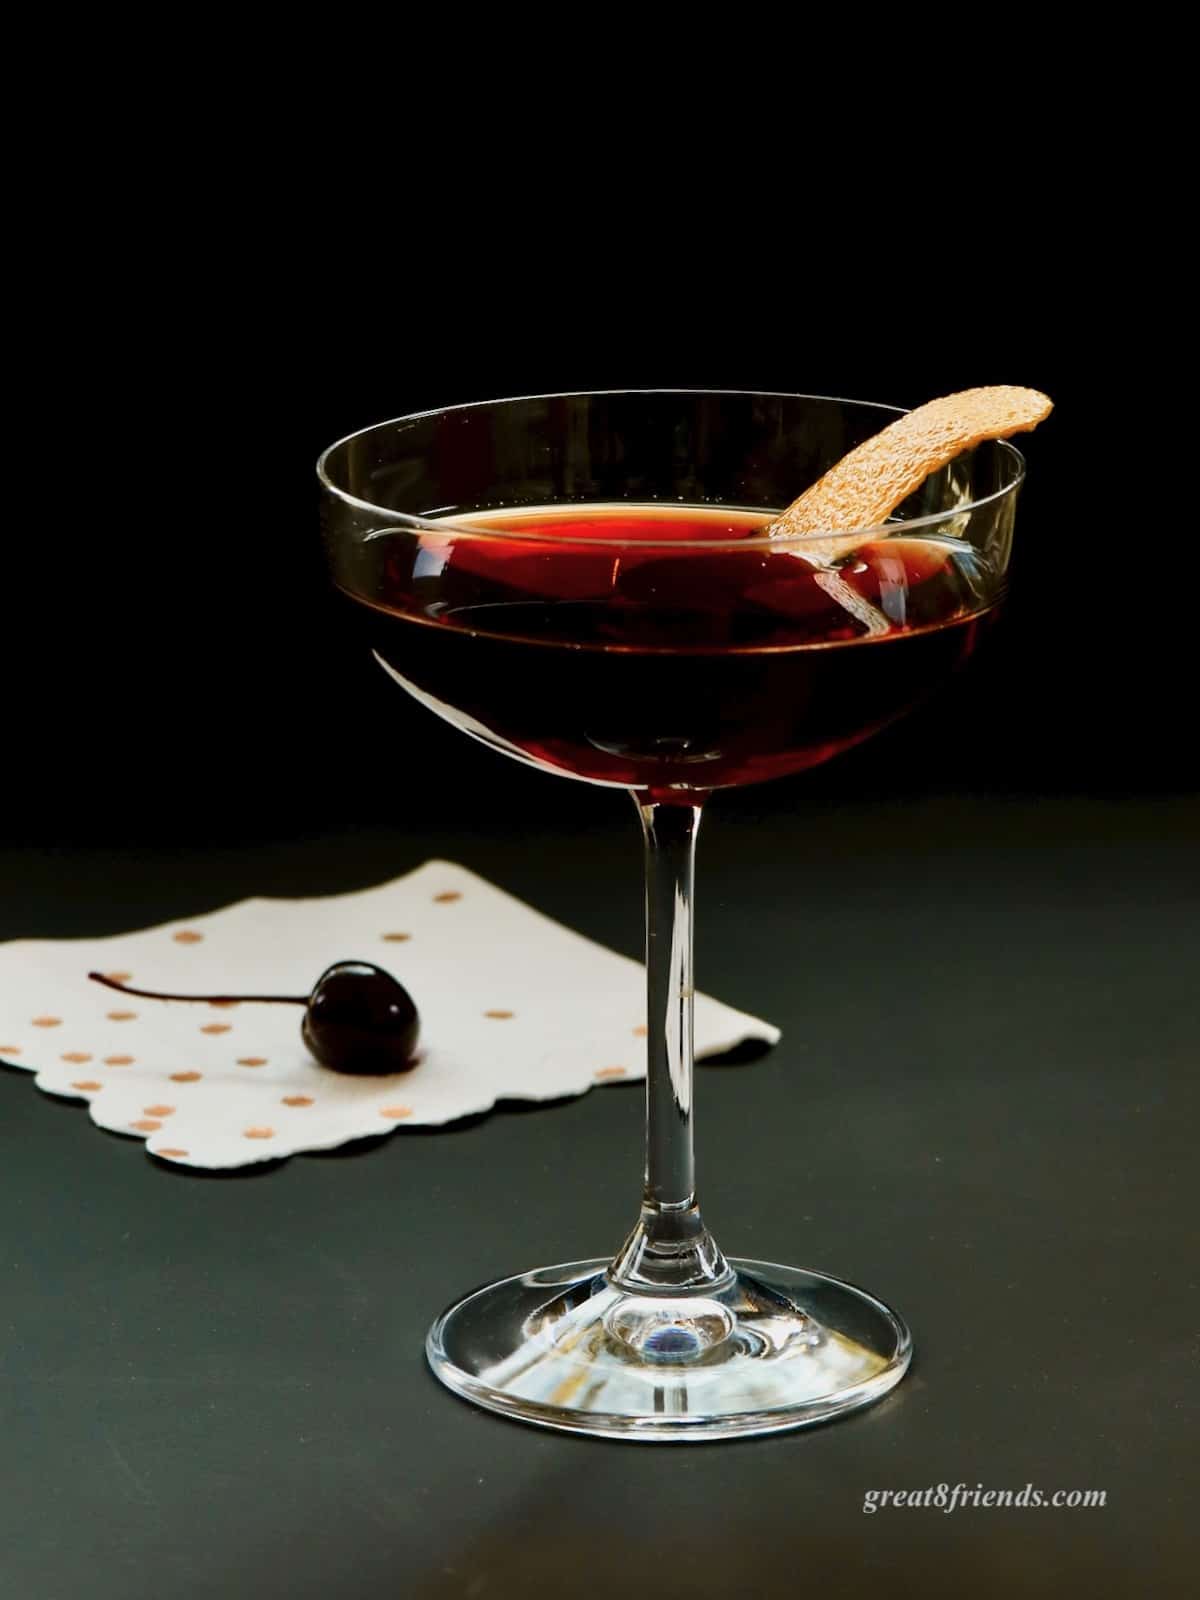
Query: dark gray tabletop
[983, 1109]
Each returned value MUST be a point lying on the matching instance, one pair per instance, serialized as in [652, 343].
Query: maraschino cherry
[358, 1018]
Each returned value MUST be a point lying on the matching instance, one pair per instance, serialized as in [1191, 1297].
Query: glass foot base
[769, 1348]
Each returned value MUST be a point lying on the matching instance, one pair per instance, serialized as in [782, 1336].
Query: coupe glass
[689, 655]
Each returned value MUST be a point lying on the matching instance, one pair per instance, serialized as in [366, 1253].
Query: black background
[991, 906]
[182, 676]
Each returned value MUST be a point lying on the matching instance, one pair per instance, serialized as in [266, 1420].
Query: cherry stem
[213, 999]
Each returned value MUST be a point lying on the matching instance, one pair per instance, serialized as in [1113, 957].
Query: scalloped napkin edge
[513, 1006]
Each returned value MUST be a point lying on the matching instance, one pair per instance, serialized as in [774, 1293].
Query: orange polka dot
[146, 1125]
[215, 1027]
[160, 1111]
[395, 1113]
[296, 1100]
[397, 938]
[47, 1022]
[500, 1016]
[87, 1083]
[10, 1049]
[610, 1072]
[252, 1061]
[224, 1005]
[120, 1016]
[259, 1133]
[640, 1031]
[186, 1077]
[165, 1150]
[187, 936]
[118, 1061]
[446, 896]
[118, 977]
[78, 1056]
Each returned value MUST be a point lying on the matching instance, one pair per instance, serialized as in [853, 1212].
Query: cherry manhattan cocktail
[597, 650]
[603, 586]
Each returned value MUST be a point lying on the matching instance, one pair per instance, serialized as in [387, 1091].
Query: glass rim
[443, 526]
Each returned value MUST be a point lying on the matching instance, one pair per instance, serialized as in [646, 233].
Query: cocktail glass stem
[670, 1251]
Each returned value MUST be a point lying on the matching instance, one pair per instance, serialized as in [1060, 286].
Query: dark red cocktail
[595, 584]
[663, 669]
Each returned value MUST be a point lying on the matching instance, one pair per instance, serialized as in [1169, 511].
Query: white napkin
[512, 1006]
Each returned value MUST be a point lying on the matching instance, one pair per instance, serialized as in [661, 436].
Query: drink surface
[608, 643]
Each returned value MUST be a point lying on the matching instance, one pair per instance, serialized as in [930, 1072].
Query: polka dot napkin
[512, 1006]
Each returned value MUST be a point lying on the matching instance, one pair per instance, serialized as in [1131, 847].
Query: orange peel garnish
[863, 489]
